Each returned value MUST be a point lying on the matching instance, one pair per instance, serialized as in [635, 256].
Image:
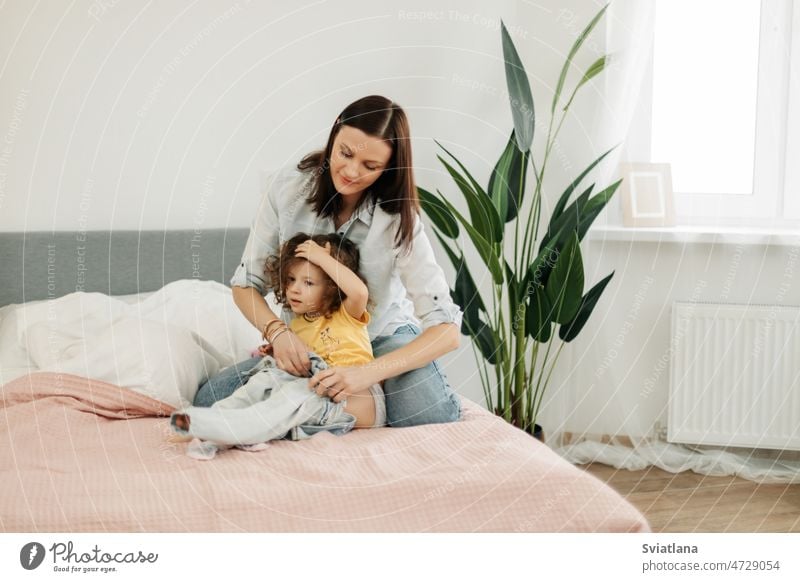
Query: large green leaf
[467, 294]
[573, 51]
[484, 339]
[562, 201]
[475, 185]
[538, 316]
[507, 182]
[579, 216]
[481, 211]
[540, 311]
[593, 207]
[540, 268]
[594, 69]
[570, 217]
[454, 258]
[485, 249]
[569, 331]
[566, 224]
[519, 93]
[512, 284]
[438, 213]
[583, 200]
[564, 287]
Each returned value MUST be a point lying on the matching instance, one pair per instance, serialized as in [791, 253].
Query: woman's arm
[289, 351]
[433, 343]
[253, 306]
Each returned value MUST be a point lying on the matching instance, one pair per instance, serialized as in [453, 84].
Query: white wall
[121, 115]
[130, 115]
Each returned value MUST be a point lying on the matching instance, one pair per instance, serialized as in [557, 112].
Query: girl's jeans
[420, 396]
[271, 405]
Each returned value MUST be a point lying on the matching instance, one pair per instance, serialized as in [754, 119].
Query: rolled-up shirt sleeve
[262, 242]
[425, 282]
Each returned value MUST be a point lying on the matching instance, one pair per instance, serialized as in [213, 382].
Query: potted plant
[536, 299]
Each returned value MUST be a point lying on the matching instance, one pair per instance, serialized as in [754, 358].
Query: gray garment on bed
[273, 404]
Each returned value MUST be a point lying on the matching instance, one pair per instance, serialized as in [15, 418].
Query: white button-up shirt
[403, 287]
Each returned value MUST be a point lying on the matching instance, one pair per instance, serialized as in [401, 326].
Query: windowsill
[697, 234]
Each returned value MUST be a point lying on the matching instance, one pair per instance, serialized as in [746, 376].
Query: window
[705, 83]
[724, 109]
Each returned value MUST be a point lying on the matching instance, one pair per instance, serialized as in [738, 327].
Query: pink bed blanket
[82, 455]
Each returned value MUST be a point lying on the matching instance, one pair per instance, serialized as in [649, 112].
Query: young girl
[316, 279]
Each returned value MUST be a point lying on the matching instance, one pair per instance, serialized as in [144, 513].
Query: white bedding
[162, 344]
[14, 360]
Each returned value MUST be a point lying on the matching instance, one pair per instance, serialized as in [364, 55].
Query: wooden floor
[689, 502]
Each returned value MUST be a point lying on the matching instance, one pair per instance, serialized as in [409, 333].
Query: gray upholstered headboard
[46, 265]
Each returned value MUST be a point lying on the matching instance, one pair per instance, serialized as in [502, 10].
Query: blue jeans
[421, 396]
[225, 383]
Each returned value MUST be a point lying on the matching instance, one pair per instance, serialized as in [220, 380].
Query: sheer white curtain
[603, 410]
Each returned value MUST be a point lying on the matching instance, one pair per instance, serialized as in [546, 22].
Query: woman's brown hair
[395, 191]
[277, 268]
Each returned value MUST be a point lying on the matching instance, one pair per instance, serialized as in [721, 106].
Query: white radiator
[735, 376]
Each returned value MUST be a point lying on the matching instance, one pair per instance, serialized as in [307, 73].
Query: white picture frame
[647, 197]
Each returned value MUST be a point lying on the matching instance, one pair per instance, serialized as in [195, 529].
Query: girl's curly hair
[277, 268]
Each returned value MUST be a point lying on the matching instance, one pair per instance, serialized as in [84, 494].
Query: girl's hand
[291, 354]
[264, 350]
[312, 252]
[340, 382]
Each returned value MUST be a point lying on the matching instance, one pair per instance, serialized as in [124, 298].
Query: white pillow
[206, 308]
[162, 361]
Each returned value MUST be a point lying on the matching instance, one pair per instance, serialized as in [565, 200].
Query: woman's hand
[291, 354]
[312, 252]
[340, 382]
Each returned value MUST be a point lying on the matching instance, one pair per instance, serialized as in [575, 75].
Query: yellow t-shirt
[341, 340]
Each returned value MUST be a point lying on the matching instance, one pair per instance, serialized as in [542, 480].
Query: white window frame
[791, 188]
[775, 196]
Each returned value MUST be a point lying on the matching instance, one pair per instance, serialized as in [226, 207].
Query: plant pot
[538, 432]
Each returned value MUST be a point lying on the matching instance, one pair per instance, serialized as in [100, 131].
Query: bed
[86, 449]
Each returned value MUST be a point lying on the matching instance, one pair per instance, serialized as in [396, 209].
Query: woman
[361, 186]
